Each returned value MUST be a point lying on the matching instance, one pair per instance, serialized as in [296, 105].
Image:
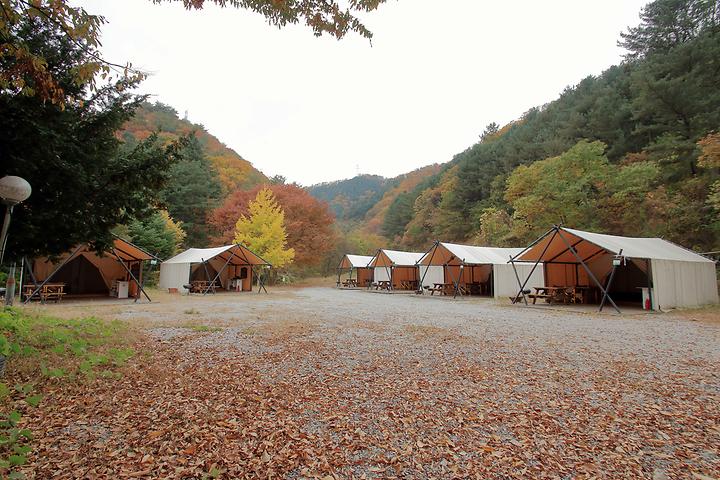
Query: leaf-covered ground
[319, 383]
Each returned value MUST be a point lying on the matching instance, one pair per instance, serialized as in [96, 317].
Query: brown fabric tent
[398, 268]
[85, 272]
[358, 265]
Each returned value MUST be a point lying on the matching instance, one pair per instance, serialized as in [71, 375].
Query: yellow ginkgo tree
[263, 231]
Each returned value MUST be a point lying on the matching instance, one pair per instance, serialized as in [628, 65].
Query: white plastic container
[122, 289]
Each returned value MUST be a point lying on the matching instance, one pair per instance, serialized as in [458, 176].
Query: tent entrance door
[81, 277]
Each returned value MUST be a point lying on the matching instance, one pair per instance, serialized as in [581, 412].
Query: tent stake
[53, 274]
[588, 271]
[131, 274]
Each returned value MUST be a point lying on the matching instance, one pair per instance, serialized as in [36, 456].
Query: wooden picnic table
[409, 284]
[200, 286]
[383, 285]
[442, 288]
[558, 294]
[350, 283]
[49, 291]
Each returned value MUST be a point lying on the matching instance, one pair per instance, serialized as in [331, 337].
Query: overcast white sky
[317, 109]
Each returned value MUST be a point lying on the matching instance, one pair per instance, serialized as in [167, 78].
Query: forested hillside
[351, 199]
[633, 151]
[234, 172]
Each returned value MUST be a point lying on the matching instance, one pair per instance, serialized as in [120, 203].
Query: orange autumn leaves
[308, 222]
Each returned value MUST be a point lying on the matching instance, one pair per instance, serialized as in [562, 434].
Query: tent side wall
[174, 275]
[381, 274]
[683, 284]
[435, 274]
[364, 276]
[401, 274]
[505, 283]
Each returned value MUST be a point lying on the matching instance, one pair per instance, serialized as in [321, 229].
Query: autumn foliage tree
[308, 221]
[263, 231]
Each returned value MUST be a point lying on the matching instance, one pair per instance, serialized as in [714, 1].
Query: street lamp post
[13, 190]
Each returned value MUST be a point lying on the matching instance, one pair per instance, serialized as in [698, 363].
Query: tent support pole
[142, 277]
[207, 272]
[609, 284]
[522, 287]
[589, 272]
[649, 280]
[457, 284]
[131, 275]
[517, 277]
[26, 265]
[427, 267]
[452, 277]
[72, 255]
[232, 254]
[536, 241]
[261, 284]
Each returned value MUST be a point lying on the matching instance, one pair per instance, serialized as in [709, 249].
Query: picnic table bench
[409, 284]
[381, 285]
[200, 286]
[572, 294]
[49, 291]
[350, 283]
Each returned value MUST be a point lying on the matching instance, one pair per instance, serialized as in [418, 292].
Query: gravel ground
[322, 383]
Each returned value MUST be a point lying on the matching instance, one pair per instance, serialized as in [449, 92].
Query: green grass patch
[46, 349]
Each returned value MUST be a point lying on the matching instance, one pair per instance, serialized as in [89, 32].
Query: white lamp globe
[14, 189]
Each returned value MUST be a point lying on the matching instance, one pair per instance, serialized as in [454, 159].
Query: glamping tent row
[564, 266]
[119, 272]
[446, 268]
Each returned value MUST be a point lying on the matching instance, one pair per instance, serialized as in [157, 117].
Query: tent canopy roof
[589, 244]
[469, 254]
[130, 252]
[355, 261]
[395, 258]
[237, 254]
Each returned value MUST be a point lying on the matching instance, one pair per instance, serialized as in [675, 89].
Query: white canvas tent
[397, 267]
[358, 265]
[482, 270]
[230, 265]
[677, 277]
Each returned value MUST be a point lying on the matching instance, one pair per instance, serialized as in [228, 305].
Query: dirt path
[322, 383]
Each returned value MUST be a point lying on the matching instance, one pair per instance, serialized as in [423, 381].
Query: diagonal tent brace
[609, 284]
[207, 272]
[261, 283]
[49, 277]
[232, 254]
[512, 260]
[460, 276]
[140, 286]
[517, 277]
[427, 267]
[588, 271]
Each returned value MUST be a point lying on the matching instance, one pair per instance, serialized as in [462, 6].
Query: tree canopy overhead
[85, 182]
[26, 71]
